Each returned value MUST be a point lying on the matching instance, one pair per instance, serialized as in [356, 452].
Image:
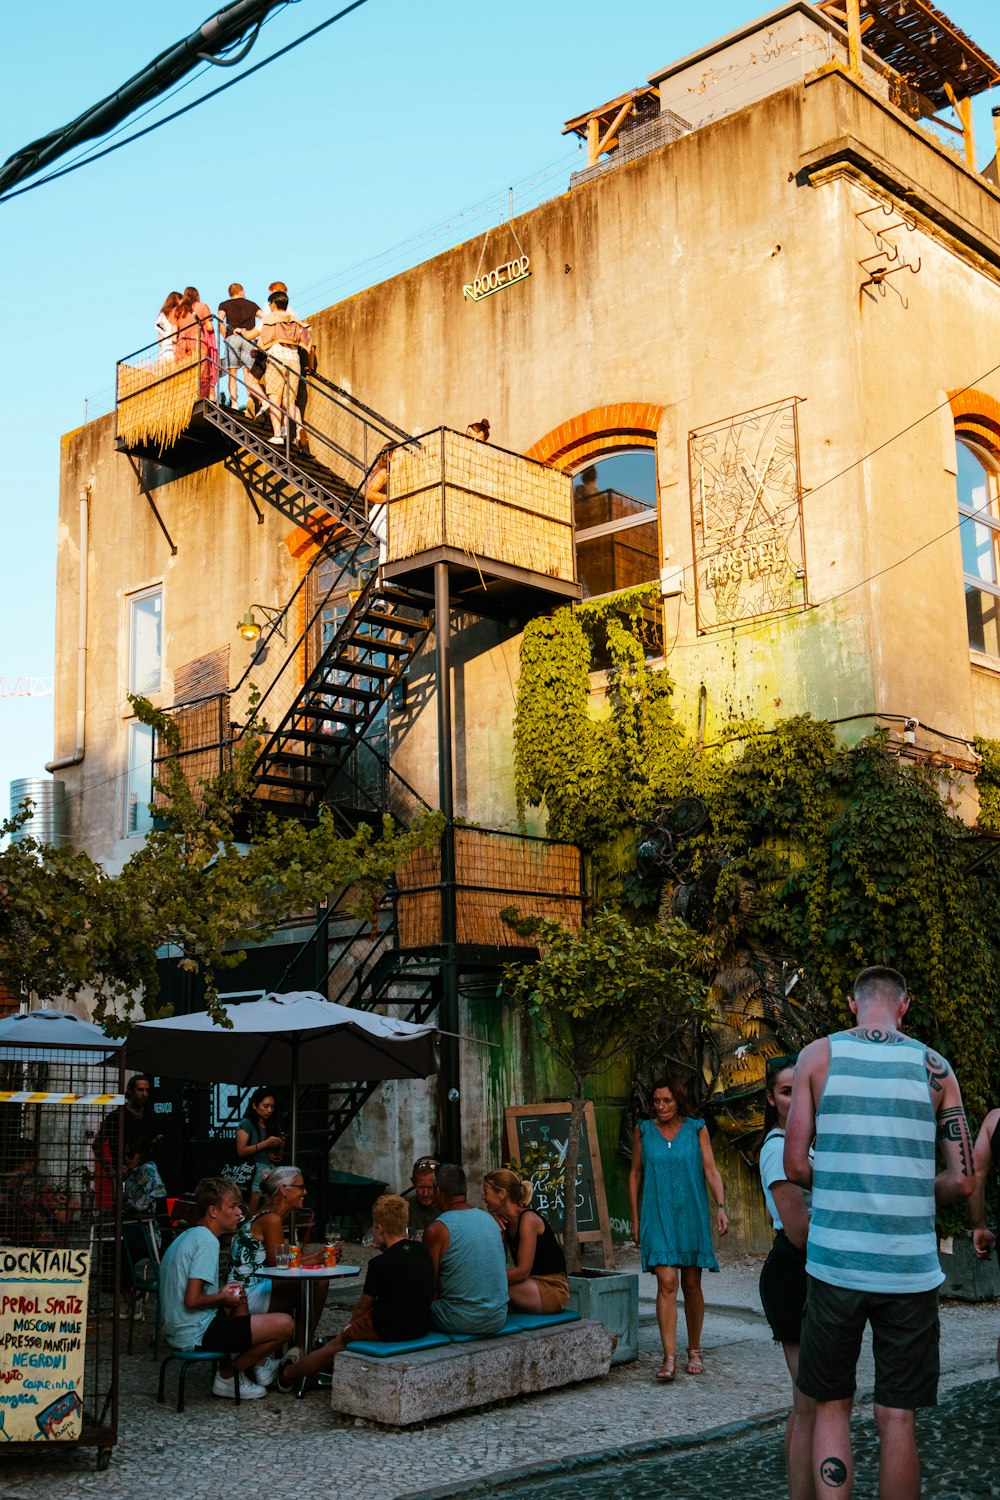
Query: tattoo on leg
[833, 1471]
[937, 1070]
[953, 1126]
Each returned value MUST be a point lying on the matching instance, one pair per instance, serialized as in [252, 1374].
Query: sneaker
[125, 1311]
[292, 1356]
[249, 1389]
[265, 1372]
[278, 438]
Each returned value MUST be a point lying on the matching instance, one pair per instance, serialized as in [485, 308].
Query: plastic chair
[186, 1358]
[142, 1257]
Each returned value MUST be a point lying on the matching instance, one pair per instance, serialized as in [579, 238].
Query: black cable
[231, 83]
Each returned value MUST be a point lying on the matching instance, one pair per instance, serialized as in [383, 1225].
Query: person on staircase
[281, 337]
[208, 374]
[238, 324]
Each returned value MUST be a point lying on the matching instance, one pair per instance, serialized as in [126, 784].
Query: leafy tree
[591, 997]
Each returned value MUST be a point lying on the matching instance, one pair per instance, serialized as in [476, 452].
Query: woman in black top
[537, 1280]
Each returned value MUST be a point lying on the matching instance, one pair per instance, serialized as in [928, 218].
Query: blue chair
[142, 1257]
[186, 1358]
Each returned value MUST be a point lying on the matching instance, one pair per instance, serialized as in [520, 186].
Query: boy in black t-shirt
[396, 1301]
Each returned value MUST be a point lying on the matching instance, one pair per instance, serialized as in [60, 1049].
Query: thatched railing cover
[156, 399]
[492, 870]
[482, 501]
[205, 748]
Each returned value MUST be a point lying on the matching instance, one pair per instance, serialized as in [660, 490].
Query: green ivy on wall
[853, 856]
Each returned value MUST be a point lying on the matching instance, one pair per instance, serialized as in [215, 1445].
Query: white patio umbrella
[296, 1038]
[39, 1029]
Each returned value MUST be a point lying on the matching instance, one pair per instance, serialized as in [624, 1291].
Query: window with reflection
[979, 530]
[614, 513]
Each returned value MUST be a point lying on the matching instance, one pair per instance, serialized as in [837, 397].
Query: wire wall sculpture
[746, 516]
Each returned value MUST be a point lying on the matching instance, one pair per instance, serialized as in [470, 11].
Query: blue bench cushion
[379, 1350]
[517, 1322]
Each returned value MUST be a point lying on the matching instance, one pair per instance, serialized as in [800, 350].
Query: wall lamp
[250, 628]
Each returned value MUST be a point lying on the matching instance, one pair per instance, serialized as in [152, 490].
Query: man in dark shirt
[396, 1301]
[237, 319]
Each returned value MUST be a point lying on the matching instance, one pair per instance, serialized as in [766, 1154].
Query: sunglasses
[426, 1164]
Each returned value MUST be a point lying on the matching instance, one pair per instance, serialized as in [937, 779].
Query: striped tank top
[872, 1226]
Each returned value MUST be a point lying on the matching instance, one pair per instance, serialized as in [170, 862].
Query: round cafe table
[306, 1276]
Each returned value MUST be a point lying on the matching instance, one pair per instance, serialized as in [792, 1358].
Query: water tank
[49, 821]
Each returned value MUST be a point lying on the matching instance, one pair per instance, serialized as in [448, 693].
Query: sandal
[668, 1369]
[695, 1364]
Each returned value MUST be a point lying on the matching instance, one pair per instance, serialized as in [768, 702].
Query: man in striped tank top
[877, 1102]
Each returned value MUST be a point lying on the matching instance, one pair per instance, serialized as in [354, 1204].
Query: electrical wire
[212, 94]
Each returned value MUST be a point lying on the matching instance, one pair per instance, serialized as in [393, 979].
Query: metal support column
[449, 1078]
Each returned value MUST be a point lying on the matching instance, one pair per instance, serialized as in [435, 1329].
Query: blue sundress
[674, 1227]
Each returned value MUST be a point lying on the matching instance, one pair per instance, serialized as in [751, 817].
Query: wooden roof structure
[599, 127]
[921, 44]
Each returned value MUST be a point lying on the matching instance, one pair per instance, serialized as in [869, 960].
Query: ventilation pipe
[81, 644]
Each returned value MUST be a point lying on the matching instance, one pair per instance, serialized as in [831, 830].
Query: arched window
[614, 512]
[979, 529]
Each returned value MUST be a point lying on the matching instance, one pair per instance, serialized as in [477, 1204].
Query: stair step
[360, 669]
[342, 690]
[393, 622]
[317, 737]
[303, 785]
[293, 758]
[309, 710]
[376, 643]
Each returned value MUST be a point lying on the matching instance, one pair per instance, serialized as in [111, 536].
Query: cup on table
[283, 1255]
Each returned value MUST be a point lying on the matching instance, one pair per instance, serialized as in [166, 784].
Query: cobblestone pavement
[959, 1444]
[162, 1453]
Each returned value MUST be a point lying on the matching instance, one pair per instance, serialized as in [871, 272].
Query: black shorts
[227, 1335]
[905, 1337]
[783, 1289]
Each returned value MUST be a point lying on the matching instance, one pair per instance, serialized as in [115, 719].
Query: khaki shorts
[553, 1292]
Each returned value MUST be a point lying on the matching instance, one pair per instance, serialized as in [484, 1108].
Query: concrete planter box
[611, 1298]
[969, 1279]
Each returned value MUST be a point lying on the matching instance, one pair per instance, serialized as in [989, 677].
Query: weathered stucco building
[766, 313]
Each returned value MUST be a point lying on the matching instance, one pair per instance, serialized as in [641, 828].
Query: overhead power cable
[208, 44]
[176, 114]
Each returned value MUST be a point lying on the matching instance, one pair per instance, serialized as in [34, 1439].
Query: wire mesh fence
[60, 1229]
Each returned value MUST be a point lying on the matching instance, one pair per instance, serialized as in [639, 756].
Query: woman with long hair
[258, 1143]
[673, 1169]
[209, 372]
[256, 1244]
[783, 1279]
[537, 1280]
[166, 328]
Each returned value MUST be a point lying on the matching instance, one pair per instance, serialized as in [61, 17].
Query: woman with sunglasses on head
[256, 1245]
[537, 1280]
[783, 1279]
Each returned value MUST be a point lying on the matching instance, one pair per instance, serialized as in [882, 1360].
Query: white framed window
[138, 780]
[978, 485]
[145, 641]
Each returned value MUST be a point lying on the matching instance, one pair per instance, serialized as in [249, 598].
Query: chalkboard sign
[536, 1138]
[43, 1340]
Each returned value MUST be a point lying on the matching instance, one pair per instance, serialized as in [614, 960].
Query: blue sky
[394, 134]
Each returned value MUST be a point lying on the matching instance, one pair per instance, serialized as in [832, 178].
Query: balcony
[502, 522]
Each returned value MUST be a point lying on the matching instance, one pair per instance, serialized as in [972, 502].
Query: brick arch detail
[977, 413]
[594, 431]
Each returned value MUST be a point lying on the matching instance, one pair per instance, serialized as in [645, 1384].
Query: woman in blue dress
[674, 1170]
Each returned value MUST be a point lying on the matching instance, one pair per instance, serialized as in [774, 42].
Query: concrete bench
[400, 1384]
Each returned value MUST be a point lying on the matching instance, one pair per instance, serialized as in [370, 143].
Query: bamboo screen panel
[204, 747]
[480, 500]
[492, 871]
[156, 398]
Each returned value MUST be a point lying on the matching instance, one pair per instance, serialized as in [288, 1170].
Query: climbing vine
[815, 854]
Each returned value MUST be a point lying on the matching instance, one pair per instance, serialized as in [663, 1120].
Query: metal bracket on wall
[137, 471]
[878, 276]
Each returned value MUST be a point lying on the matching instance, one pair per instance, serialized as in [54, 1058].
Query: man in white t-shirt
[196, 1313]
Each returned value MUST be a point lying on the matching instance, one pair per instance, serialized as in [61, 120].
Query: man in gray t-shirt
[470, 1265]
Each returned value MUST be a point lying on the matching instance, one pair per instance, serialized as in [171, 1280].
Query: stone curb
[488, 1489]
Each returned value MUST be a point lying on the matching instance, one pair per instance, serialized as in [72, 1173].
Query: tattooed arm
[958, 1180]
[983, 1238]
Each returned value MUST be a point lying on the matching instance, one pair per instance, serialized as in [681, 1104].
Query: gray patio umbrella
[296, 1038]
[39, 1029]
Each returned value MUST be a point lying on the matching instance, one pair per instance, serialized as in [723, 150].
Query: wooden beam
[607, 140]
[593, 138]
[964, 108]
[854, 36]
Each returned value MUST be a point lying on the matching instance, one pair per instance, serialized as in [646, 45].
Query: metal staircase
[348, 688]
